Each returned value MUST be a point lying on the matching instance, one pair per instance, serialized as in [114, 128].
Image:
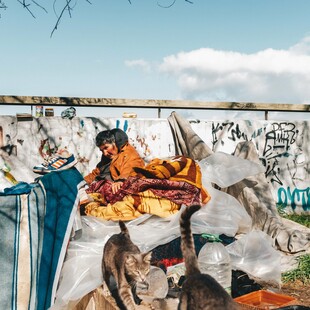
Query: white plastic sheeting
[223, 215]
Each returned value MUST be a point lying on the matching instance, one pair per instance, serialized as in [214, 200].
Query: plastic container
[214, 259]
[39, 111]
[157, 284]
[264, 300]
[49, 112]
[5, 170]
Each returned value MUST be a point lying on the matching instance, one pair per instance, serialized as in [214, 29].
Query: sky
[207, 50]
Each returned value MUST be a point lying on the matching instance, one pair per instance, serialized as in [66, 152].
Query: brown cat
[199, 291]
[123, 259]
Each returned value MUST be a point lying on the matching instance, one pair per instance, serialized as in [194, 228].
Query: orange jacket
[121, 165]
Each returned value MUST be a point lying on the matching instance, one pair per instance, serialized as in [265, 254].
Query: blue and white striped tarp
[35, 227]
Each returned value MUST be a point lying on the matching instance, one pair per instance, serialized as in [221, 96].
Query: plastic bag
[82, 272]
[253, 253]
[225, 169]
[223, 214]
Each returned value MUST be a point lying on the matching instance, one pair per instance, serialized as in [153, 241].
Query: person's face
[108, 149]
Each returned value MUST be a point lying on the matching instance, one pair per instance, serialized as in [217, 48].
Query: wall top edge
[151, 103]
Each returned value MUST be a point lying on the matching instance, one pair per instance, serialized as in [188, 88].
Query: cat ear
[147, 257]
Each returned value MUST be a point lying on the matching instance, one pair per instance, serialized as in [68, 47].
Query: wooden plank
[140, 103]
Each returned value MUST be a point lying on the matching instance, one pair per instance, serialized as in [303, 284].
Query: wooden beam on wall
[151, 103]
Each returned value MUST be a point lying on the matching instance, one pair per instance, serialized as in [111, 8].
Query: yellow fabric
[163, 168]
[176, 168]
[132, 207]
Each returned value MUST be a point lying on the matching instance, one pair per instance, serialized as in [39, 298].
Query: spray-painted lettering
[294, 198]
[278, 141]
[233, 132]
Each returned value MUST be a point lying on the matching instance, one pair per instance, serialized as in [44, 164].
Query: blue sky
[223, 50]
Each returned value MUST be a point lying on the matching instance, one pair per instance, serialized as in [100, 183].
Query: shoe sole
[40, 171]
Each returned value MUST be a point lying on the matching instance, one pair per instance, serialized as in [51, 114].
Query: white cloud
[139, 63]
[274, 76]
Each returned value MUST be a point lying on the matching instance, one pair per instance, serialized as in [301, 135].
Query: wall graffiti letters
[232, 132]
[278, 142]
[293, 198]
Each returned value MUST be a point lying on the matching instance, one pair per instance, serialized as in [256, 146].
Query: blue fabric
[61, 193]
[35, 230]
[21, 225]
[18, 189]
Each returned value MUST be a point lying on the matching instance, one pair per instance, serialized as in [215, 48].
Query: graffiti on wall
[288, 197]
[232, 132]
[281, 151]
[279, 142]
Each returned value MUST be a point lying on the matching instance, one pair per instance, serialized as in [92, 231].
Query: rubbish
[157, 284]
[49, 112]
[294, 307]
[68, 113]
[24, 117]
[253, 253]
[214, 260]
[242, 284]
[264, 300]
[5, 170]
[129, 115]
[39, 111]
[175, 273]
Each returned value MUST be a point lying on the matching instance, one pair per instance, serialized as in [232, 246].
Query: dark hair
[116, 135]
[104, 137]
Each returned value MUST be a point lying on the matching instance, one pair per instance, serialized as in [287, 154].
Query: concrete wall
[283, 146]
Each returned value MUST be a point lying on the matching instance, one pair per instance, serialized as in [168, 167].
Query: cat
[123, 260]
[199, 291]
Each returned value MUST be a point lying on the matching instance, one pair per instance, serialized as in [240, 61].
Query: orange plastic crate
[264, 300]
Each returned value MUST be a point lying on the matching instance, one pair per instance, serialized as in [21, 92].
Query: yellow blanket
[133, 206]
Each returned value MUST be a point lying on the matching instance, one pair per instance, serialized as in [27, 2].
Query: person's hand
[116, 186]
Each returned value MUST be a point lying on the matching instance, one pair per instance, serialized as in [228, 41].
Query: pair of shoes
[57, 162]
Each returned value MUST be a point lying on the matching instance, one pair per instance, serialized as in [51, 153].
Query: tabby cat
[199, 291]
[123, 259]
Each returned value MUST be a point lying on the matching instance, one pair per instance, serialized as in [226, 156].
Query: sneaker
[56, 162]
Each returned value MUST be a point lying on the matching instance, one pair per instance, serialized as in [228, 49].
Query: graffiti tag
[294, 198]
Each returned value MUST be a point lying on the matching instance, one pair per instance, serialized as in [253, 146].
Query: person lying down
[122, 187]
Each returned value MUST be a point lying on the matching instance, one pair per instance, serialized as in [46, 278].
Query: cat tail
[187, 241]
[123, 228]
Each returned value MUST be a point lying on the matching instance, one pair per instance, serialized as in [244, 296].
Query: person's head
[110, 141]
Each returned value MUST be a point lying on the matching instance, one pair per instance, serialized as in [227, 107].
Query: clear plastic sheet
[222, 215]
[225, 170]
[253, 253]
